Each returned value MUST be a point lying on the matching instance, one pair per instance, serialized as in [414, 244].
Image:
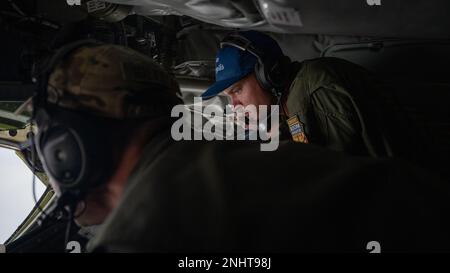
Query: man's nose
[235, 101]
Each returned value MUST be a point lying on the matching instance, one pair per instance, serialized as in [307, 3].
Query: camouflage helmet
[112, 81]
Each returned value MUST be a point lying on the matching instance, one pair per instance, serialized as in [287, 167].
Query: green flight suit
[338, 104]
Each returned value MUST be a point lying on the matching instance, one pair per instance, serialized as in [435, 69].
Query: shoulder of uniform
[324, 63]
[319, 70]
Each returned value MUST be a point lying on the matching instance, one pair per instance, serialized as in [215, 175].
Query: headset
[72, 145]
[271, 72]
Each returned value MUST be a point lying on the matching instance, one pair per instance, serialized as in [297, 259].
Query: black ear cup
[64, 156]
[261, 77]
[278, 72]
[71, 147]
[74, 149]
[273, 75]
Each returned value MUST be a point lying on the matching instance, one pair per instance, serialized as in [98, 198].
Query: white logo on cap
[219, 68]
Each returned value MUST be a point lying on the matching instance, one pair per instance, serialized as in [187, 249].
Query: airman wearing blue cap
[326, 101]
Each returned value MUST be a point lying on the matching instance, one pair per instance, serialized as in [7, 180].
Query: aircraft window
[16, 197]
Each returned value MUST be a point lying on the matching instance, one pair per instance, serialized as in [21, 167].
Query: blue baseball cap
[234, 64]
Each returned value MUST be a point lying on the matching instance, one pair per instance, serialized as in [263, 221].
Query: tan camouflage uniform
[112, 81]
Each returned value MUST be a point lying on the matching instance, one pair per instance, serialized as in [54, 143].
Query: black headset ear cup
[278, 73]
[261, 76]
[72, 148]
[273, 75]
[75, 149]
[64, 155]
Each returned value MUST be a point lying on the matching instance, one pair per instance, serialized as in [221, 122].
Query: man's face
[248, 92]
